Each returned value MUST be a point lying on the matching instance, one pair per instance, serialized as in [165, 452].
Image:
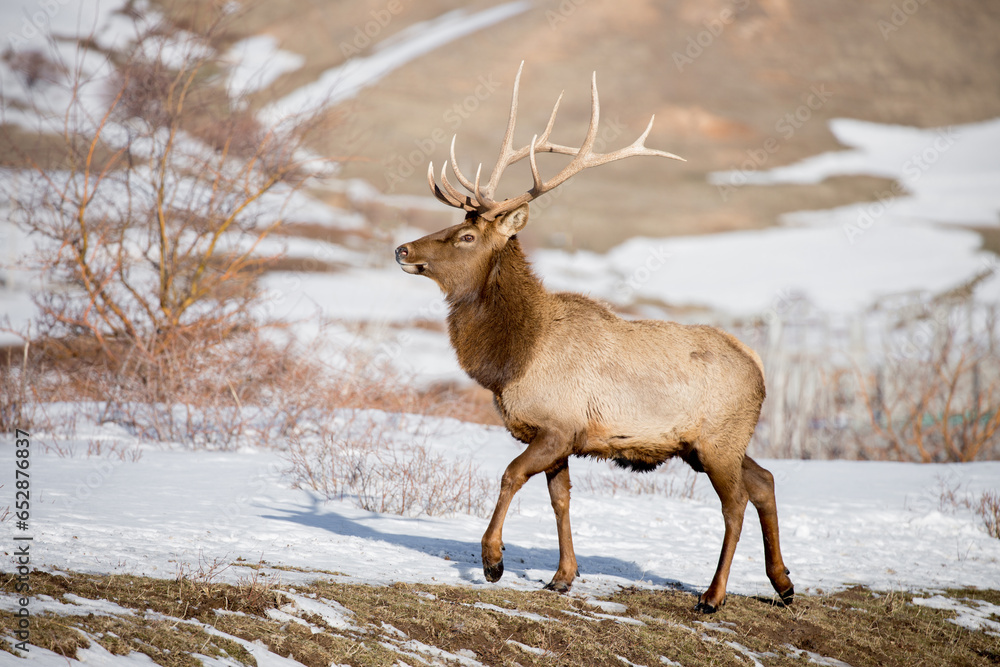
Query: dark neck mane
[494, 326]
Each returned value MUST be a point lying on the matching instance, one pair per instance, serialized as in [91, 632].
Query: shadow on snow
[465, 555]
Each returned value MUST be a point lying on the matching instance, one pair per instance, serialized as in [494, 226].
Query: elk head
[458, 258]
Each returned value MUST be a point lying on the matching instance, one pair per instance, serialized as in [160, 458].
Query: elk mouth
[415, 269]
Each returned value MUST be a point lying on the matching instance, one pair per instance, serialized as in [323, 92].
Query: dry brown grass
[170, 620]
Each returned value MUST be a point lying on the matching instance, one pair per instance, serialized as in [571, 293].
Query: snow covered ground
[843, 523]
[910, 238]
[344, 81]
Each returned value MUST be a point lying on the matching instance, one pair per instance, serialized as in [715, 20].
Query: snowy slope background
[882, 525]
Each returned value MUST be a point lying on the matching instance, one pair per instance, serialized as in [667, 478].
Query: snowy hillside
[882, 525]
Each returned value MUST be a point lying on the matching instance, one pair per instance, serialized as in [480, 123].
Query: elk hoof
[493, 571]
[558, 586]
[788, 595]
[705, 607]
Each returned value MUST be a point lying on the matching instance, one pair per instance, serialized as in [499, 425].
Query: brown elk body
[570, 378]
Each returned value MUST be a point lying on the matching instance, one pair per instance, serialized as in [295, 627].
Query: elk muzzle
[404, 251]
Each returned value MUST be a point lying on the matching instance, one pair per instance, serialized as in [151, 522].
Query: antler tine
[485, 201]
[436, 190]
[552, 119]
[637, 147]
[464, 201]
[595, 119]
[466, 183]
[641, 143]
[535, 176]
[508, 139]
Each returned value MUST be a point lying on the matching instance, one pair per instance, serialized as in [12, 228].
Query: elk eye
[468, 238]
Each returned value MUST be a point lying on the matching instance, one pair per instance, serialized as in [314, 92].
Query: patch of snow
[257, 62]
[30, 23]
[421, 648]
[532, 649]
[95, 655]
[950, 173]
[176, 49]
[74, 606]
[717, 627]
[511, 612]
[607, 606]
[345, 81]
[743, 273]
[971, 614]
[332, 612]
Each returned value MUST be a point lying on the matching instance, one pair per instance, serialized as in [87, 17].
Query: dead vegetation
[913, 380]
[321, 623]
[148, 215]
[361, 455]
[985, 505]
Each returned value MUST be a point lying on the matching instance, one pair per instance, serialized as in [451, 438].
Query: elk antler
[480, 198]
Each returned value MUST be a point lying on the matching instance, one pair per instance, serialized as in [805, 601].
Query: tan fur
[570, 378]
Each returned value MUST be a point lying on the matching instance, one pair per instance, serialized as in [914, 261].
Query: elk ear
[513, 222]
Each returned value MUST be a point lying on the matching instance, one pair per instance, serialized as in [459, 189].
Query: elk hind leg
[559, 487]
[760, 487]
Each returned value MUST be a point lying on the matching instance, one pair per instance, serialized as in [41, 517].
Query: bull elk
[569, 377]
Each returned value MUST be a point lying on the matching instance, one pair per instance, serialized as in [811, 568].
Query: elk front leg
[544, 452]
[559, 486]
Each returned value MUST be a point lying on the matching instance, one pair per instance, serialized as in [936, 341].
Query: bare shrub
[205, 574]
[913, 379]
[935, 403]
[673, 479]
[986, 506]
[258, 592]
[989, 510]
[357, 456]
[17, 405]
[149, 217]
